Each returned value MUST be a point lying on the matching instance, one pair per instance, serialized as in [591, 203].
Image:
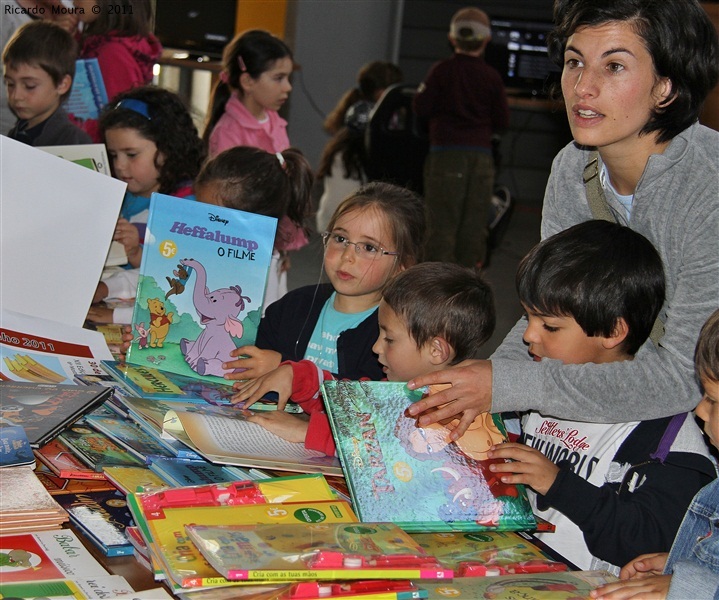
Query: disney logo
[356, 454]
[218, 218]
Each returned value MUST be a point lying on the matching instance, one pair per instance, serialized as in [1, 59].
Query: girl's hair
[706, 356]
[161, 117]
[350, 144]
[256, 181]
[372, 77]
[252, 52]
[124, 18]
[403, 210]
[677, 34]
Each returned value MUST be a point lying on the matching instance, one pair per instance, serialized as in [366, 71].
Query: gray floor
[521, 234]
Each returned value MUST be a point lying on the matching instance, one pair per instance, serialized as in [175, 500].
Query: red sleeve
[319, 434]
[306, 384]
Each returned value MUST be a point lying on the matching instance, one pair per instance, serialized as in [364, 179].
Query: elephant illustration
[218, 311]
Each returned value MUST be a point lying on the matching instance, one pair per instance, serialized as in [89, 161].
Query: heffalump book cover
[202, 282]
[415, 476]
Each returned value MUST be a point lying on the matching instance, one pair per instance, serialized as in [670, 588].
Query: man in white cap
[466, 104]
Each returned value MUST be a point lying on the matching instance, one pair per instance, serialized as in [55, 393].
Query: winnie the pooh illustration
[159, 322]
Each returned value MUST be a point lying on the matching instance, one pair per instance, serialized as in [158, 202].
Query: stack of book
[26, 504]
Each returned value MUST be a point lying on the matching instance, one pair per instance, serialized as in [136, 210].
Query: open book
[222, 435]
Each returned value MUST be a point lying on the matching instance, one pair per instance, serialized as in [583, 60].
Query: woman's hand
[279, 380]
[470, 394]
[253, 363]
[529, 467]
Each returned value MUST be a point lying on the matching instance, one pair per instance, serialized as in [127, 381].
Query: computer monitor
[199, 27]
[518, 50]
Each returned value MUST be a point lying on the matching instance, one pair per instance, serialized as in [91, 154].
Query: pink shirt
[238, 127]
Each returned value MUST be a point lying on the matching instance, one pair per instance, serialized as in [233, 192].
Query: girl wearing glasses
[374, 234]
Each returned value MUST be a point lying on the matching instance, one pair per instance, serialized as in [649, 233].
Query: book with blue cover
[179, 472]
[415, 476]
[202, 283]
[88, 95]
[15, 449]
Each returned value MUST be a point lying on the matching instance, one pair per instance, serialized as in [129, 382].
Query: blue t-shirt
[322, 347]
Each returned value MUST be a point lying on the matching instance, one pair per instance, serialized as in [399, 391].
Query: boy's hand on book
[292, 428]
[279, 380]
[645, 565]
[529, 467]
[251, 363]
[469, 395]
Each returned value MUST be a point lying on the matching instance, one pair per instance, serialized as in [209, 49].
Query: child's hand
[531, 467]
[101, 292]
[279, 380]
[645, 565]
[258, 362]
[99, 314]
[292, 428]
[129, 236]
[654, 587]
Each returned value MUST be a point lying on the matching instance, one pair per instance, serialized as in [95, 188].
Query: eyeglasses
[337, 242]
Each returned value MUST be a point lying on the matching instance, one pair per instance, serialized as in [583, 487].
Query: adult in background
[635, 74]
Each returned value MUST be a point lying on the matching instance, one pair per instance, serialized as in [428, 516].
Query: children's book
[133, 479]
[80, 588]
[181, 472]
[25, 499]
[15, 448]
[63, 463]
[46, 409]
[88, 95]
[223, 435]
[490, 553]
[414, 476]
[569, 585]
[202, 282]
[59, 485]
[184, 563]
[128, 435]
[96, 449]
[43, 556]
[102, 516]
[46, 241]
[41, 351]
[377, 589]
[297, 551]
[92, 156]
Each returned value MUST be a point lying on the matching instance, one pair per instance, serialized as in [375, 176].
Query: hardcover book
[60, 485]
[88, 95]
[15, 450]
[96, 449]
[297, 551]
[46, 555]
[490, 553]
[182, 472]
[222, 435]
[569, 585]
[46, 409]
[63, 463]
[414, 476]
[133, 479]
[184, 563]
[103, 517]
[202, 282]
[128, 435]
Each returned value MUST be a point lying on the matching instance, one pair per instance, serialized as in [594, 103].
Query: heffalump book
[202, 282]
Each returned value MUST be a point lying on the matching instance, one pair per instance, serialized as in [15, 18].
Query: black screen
[201, 27]
[518, 50]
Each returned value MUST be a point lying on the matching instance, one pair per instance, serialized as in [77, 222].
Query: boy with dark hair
[466, 104]
[39, 62]
[592, 294]
[431, 316]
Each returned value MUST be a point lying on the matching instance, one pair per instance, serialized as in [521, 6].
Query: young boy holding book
[691, 568]
[431, 316]
[39, 62]
[592, 294]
